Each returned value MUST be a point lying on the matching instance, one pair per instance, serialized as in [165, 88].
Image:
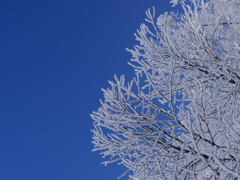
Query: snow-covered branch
[179, 118]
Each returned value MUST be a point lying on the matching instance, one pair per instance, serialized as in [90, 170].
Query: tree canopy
[179, 117]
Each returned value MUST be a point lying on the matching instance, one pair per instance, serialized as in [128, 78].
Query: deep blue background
[55, 55]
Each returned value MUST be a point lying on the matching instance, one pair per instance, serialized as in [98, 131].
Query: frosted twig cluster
[179, 117]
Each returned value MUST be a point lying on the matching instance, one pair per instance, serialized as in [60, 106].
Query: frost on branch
[174, 2]
[179, 117]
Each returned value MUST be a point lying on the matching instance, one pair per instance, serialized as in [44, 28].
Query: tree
[179, 117]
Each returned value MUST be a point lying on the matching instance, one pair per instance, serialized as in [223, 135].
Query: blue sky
[55, 56]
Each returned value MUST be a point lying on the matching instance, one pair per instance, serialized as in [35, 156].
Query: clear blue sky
[55, 56]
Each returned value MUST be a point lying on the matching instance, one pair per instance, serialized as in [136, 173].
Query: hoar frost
[179, 117]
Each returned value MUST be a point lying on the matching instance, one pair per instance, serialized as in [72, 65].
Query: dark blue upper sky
[55, 56]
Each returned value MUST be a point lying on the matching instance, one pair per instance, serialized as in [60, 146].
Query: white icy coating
[174, 2]
[179, 118]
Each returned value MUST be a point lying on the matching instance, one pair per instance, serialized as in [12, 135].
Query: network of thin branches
[179, 117]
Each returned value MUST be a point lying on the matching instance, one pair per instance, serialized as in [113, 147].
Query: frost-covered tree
[179, 117]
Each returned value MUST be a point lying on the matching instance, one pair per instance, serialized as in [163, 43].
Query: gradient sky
[55, 56]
